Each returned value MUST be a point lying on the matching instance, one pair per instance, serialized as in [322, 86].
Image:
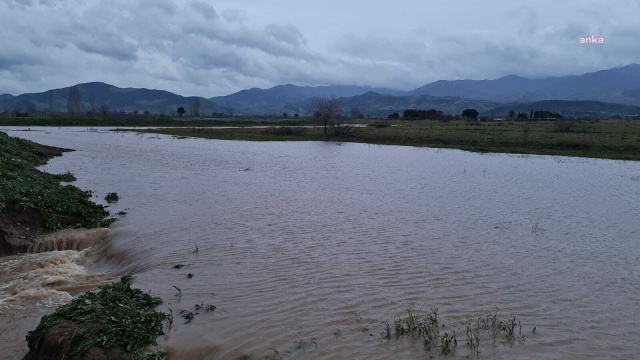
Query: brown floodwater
[307, 247]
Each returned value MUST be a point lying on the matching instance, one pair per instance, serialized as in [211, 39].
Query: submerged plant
[112, 197]
[187, 315]
[304, 344]
[426, 327]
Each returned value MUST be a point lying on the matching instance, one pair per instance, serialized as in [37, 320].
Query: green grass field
[611, 139]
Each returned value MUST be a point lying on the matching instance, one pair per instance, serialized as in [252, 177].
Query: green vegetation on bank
[117, 316]
[144, 121]
[612, 139]
[22, 187]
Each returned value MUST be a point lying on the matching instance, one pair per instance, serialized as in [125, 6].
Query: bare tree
[327, 108]
[356, 113]
[196, 108]
[74, 103]
[92, 103]
[104, 110]
[50, 102]
[526, 131]
[32, 108]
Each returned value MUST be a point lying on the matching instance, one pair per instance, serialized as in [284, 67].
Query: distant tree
[522, 116]
[412, 114]
[356, 113]
[285, 115]
[92, 104]
[326, 109]
[32, 108]
[394, 116]
[50, 102]
[512, 114]
[470, 114]
[295, 116]
[545, 115]
[104, 110]
[74, 102]
[196, 108]
[181, 111]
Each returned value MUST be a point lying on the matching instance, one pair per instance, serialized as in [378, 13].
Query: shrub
[572, 144]
[345, 131]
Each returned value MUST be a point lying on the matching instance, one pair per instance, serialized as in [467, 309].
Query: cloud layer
[198, 48]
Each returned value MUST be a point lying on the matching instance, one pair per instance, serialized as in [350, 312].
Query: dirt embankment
[19, 228]
[33, 202]
[60, 341]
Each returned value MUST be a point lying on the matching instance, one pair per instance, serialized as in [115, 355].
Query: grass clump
[117, 316]
[112, 197]
[426, 327]
[23, 187]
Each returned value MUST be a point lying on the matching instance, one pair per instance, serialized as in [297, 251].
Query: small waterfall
[69, 239]
[55, 267]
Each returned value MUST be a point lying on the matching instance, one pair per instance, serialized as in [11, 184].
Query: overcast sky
[210, 48]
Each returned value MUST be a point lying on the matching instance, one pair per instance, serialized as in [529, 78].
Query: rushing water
[322, 242]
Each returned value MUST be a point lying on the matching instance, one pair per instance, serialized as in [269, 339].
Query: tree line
[470, 114]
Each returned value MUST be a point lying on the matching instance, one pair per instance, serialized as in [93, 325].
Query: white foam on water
[37, 278]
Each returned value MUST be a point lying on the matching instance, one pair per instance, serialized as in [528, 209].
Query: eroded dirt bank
[33, 202]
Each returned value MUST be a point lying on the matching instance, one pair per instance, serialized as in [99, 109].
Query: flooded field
[306, 248]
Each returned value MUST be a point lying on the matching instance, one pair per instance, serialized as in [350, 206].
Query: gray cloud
[286, 33]
[205, 48]
[23, 4]
[204, 9]
[234, 15]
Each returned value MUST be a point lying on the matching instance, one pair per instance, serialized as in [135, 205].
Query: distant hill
[276, 99]
[569, 108]
[118, 99]
[603, 93]
[618, 85]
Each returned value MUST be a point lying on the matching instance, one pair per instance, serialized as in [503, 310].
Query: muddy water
[321, 242]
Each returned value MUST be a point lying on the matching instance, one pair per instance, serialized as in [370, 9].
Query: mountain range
[95, 94]
[614, 91]
[618, 85]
